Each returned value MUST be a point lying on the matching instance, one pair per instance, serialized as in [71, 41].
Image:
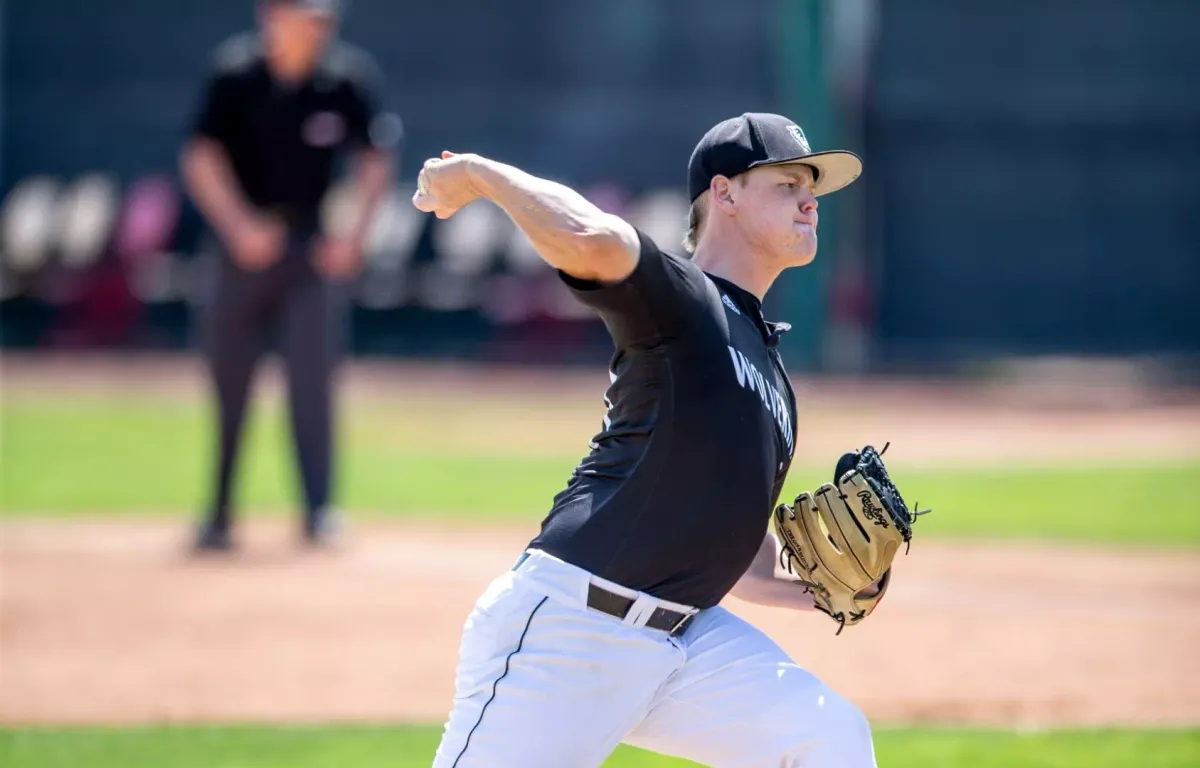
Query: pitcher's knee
[854, 729]
[841, 737]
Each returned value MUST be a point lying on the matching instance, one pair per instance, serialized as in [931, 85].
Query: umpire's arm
[568, 232]
[204, 161]
[374, 135]
[209, 180]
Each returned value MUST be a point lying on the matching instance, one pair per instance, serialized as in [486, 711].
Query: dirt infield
[112, 622]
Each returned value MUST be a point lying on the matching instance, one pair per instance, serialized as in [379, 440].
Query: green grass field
[151, 456]
[410, 747]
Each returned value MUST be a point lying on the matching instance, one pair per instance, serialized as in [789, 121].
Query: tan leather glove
[840, 539]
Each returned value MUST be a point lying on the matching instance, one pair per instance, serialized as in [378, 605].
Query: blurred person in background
[278, 110]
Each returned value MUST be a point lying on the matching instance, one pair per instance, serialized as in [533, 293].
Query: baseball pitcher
[608, 628]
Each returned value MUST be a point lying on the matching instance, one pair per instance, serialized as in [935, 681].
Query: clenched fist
[444, 184]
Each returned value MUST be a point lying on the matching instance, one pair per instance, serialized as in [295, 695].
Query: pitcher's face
[776, 212]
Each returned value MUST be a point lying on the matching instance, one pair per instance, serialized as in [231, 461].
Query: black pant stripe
[492, 698]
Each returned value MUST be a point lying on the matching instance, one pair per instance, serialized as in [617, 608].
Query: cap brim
[313, 9]
[836, 168]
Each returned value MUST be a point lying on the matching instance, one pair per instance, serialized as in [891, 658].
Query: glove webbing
[870, 466]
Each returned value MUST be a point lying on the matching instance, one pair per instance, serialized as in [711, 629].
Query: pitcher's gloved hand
[840, 539]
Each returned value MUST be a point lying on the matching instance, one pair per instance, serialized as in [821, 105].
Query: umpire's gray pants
[292, 304]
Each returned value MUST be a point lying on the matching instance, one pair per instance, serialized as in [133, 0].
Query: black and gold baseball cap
[756, 139]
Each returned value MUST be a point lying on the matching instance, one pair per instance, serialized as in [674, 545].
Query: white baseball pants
[545, 682]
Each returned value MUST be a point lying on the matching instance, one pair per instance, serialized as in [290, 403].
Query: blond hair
[694, 223]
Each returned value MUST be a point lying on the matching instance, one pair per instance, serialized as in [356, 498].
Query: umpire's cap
[740, 143]
[326, 7]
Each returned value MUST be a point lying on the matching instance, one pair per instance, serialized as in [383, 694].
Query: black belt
[674, 623]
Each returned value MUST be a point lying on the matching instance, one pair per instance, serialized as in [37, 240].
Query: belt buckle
[681, 624]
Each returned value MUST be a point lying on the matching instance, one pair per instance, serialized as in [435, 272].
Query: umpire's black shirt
[674, 498]
[282, 139]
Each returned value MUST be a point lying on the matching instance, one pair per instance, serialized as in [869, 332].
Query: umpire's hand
[337, 258]
[445, 184]
[256, 242]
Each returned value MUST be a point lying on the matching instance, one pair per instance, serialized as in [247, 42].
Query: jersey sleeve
[369, 124]
[656, 302]
[218, 101]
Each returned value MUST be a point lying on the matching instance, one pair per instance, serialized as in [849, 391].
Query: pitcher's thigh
[537, 685]
[740, 702]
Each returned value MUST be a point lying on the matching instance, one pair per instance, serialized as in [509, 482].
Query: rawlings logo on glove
[870, 510]
[840, 540]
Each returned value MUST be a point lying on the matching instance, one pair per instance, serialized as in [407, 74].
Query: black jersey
[675, 496]
[283, 139]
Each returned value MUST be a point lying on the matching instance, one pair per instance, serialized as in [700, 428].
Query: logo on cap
[799, 136]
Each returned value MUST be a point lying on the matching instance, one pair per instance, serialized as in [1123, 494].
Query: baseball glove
[840, 540]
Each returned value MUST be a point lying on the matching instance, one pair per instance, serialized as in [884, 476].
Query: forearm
[210, 183]
[766, 583]
[371, 180]
[568, 232]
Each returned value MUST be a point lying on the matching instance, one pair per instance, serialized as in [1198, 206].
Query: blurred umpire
[279, 109]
